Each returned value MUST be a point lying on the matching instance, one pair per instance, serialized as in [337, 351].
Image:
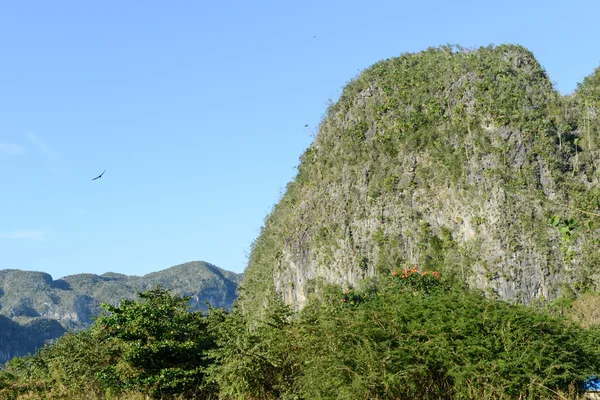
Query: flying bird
[99, 176]
[306, 126]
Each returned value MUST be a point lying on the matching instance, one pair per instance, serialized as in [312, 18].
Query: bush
[421, 339]
[255, 359]
[414, 336]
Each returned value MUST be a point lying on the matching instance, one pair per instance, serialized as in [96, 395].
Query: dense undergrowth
[409, 335]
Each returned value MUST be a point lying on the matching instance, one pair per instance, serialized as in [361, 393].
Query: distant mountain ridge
[34, 308]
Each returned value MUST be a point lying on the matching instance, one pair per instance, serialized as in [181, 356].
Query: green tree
[158, 345]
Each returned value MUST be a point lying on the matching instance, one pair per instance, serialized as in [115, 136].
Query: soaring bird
[99, 176]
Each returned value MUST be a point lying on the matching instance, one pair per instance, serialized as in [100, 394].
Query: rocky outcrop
[465, 162]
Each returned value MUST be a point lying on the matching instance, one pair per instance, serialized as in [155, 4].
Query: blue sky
[197, 111]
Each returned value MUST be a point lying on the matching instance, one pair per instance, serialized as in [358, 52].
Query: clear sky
[197, 111]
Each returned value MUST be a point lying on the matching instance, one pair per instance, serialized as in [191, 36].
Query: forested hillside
[35, 308]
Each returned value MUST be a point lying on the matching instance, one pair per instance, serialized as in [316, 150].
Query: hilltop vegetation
[41, 309]
[468, 162]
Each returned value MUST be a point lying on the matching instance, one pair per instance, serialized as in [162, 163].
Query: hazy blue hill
[34, 308]
[18, 339]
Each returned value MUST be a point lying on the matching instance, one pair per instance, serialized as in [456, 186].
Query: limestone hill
[467, 162]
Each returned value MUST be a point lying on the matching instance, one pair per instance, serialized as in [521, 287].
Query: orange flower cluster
[406, 272]
[435, 274]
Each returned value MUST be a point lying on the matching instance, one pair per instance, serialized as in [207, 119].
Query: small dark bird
[314, 37]
[99, 176]
[306, 126]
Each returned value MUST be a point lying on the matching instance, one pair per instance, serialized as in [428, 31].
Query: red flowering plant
[415, 280]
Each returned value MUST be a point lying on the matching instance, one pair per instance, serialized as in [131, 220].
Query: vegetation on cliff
[466, 161]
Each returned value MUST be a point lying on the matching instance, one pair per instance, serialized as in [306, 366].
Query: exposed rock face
[34, 308]
[465, 162]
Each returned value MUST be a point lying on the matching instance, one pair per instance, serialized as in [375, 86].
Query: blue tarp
[592, 384]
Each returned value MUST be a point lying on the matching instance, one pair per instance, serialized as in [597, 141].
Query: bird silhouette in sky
[306, 126]
[99, 176]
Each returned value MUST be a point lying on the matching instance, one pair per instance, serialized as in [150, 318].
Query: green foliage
[414, 336]
[158, 344]
[565, 226]
[153, 345]
[412, 280]
[39, 305]
[253, 361]
[352, 298]
[407, 335]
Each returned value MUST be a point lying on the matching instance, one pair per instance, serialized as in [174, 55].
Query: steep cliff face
[465, 162]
